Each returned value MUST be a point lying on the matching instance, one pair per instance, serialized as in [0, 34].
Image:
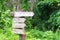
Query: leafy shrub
[34, 34]
[43, 10]
[6, 20]
[49, 35]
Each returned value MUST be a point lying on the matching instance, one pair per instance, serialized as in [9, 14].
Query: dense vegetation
[45, 24]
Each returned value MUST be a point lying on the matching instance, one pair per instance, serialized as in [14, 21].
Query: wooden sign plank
[23, 14]
[18, 31]
[18, 25]
[19, 19]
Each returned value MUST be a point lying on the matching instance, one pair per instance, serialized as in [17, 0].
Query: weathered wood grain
[12, 14]
[18, 31]
[18, 25]
[19, 20]
[23, 14]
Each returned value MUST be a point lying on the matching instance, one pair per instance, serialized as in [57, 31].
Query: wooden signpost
[18, 31]
[23, 14]
[19, 25]
[19, 21]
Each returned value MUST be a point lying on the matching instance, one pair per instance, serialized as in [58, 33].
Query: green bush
[6, 20]
[46, 18]
[49, 35]
[43, 11]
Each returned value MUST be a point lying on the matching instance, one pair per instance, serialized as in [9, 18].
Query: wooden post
[18, 6]
[18, 21]
[31, 5]
[22, 37]
[14, 4]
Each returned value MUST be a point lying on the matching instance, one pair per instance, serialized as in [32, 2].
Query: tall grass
[32, 34]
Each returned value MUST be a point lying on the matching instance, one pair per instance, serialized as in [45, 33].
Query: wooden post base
[22, 37]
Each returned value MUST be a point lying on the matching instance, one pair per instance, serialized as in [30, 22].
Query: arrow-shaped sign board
[18, 25]
[23, 14]
[18, 20]
[18, 31]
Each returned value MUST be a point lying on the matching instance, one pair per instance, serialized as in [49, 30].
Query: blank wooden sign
[19, 19]
[18, 25]
[23, 14]
[18, 31]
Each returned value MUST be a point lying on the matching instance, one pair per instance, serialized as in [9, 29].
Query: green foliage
[49, 35]
[5, 19]
[28, 23]
[8, 35]
[34, 33]
[25, 5]
[47, 17]
[31, 35]
[43, 11]
[58, 35]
